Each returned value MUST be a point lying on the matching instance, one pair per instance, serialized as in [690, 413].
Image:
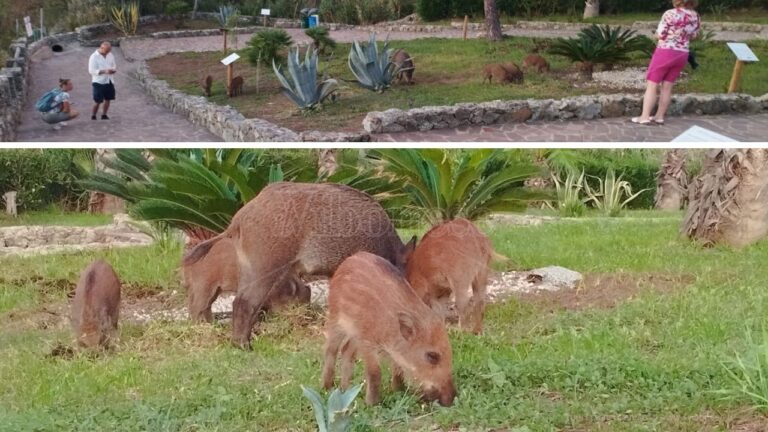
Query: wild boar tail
[201, 250]
[497, 257]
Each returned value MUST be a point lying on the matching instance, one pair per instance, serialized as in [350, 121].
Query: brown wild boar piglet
[290, 230]
[372, 311]
[453, 258]
[514, 74]
[404, 63]
[236, 88]
[206, 84]
[536, 62]
[96, 306]
[218, 272]
[502, 73]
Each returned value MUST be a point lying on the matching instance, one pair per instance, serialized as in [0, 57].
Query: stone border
[637, 25]
[575, 108]
[13, 81]
[225, 121]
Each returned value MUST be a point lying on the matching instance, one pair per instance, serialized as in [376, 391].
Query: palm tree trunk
[326, 163]
[100, 202]
[729, 199]
[492, 23]
[591, 9]
[671, 181]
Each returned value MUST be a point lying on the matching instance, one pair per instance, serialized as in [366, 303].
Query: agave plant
[372, 68]
[227, 16]
[335, 416]
[608, 198]
[442, 184]
[303, 87]
[126, 19]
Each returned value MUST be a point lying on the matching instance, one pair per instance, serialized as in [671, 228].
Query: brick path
[741, 128]
[134, 116]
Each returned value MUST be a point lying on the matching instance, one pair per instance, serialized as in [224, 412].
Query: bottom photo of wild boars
[335, 289]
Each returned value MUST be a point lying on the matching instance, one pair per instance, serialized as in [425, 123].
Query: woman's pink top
[677, 27]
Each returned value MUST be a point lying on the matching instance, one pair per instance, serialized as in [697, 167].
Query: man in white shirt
[102, 68]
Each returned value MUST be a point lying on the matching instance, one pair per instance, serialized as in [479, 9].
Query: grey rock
[558, 276]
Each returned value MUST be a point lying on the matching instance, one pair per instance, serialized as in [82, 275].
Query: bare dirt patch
[603, 291]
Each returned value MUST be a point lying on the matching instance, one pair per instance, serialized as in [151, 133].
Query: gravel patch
[500, 287]
[621, 79]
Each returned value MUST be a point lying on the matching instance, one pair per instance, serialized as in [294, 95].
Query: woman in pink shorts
[677, 28]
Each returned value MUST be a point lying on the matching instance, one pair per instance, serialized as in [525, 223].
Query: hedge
[41, 177]
[432, 10]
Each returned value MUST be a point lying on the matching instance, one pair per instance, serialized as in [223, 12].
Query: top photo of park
[399, 71]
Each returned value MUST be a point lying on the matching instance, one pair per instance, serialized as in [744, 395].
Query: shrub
[178, 9]
[321, 38]
[268, 44]
[374, 11]
[373, 70]
[340, 11]
[41, 177]
[432, 10]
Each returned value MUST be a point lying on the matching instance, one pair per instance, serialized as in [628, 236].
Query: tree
[728, 203]
[671, 181]
[99, 201]
[194, 9]
[591, 9]
[492, 23]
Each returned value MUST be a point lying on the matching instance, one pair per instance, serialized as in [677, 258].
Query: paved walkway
[741, 128]
[134, 116]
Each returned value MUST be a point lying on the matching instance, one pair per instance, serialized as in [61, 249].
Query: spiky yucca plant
[569, 194]
[126, 19]
[303, 87]
[372, 68]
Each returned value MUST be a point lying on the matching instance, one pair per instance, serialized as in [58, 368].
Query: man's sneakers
[56, 127]
[93, 117]
[103, 117]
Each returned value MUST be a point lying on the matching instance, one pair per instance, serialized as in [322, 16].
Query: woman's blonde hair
[690, 4]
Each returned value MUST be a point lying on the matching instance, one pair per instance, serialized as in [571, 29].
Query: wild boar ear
[407, 325]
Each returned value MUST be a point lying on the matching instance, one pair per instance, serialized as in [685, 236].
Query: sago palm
[445, 184]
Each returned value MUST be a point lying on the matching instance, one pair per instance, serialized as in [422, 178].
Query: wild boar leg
[397, 378]
[461, 293]
[333, 341]
[250, 301]
[372, 375]
[347, 364]
[479, 294]
[200, 300]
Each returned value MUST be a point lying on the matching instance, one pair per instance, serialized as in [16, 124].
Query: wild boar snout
[443, 395]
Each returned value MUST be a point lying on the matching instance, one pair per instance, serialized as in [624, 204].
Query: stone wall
[32, 240]
[576, 108]
[13, 81]
[225, 121]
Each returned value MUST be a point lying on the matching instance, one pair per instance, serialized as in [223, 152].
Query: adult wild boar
[294, 229]
[371, 311]
[96, 306]
[218, 272]
[453, 258]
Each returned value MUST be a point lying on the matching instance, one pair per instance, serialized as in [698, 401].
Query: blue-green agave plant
[303, 88]
[374, 70]
[226, 16]
[335, 416]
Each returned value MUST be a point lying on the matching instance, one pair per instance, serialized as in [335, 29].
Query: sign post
[229, 63]
[28, 26]
[744, 55]
[264, 14]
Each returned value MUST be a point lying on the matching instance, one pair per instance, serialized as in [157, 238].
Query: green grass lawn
[55, 216]
[448, 71]
[653, 362]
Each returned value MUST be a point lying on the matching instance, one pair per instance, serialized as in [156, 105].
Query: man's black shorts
[103, 92]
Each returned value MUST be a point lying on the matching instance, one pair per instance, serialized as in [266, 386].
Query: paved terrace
[136, 117]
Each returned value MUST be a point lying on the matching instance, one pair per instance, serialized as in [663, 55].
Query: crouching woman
[61, 109]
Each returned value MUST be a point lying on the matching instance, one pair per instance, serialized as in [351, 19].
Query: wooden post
[10, 203]
[736, 77]
[466, 23]
[225, 40]
[230, 73]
